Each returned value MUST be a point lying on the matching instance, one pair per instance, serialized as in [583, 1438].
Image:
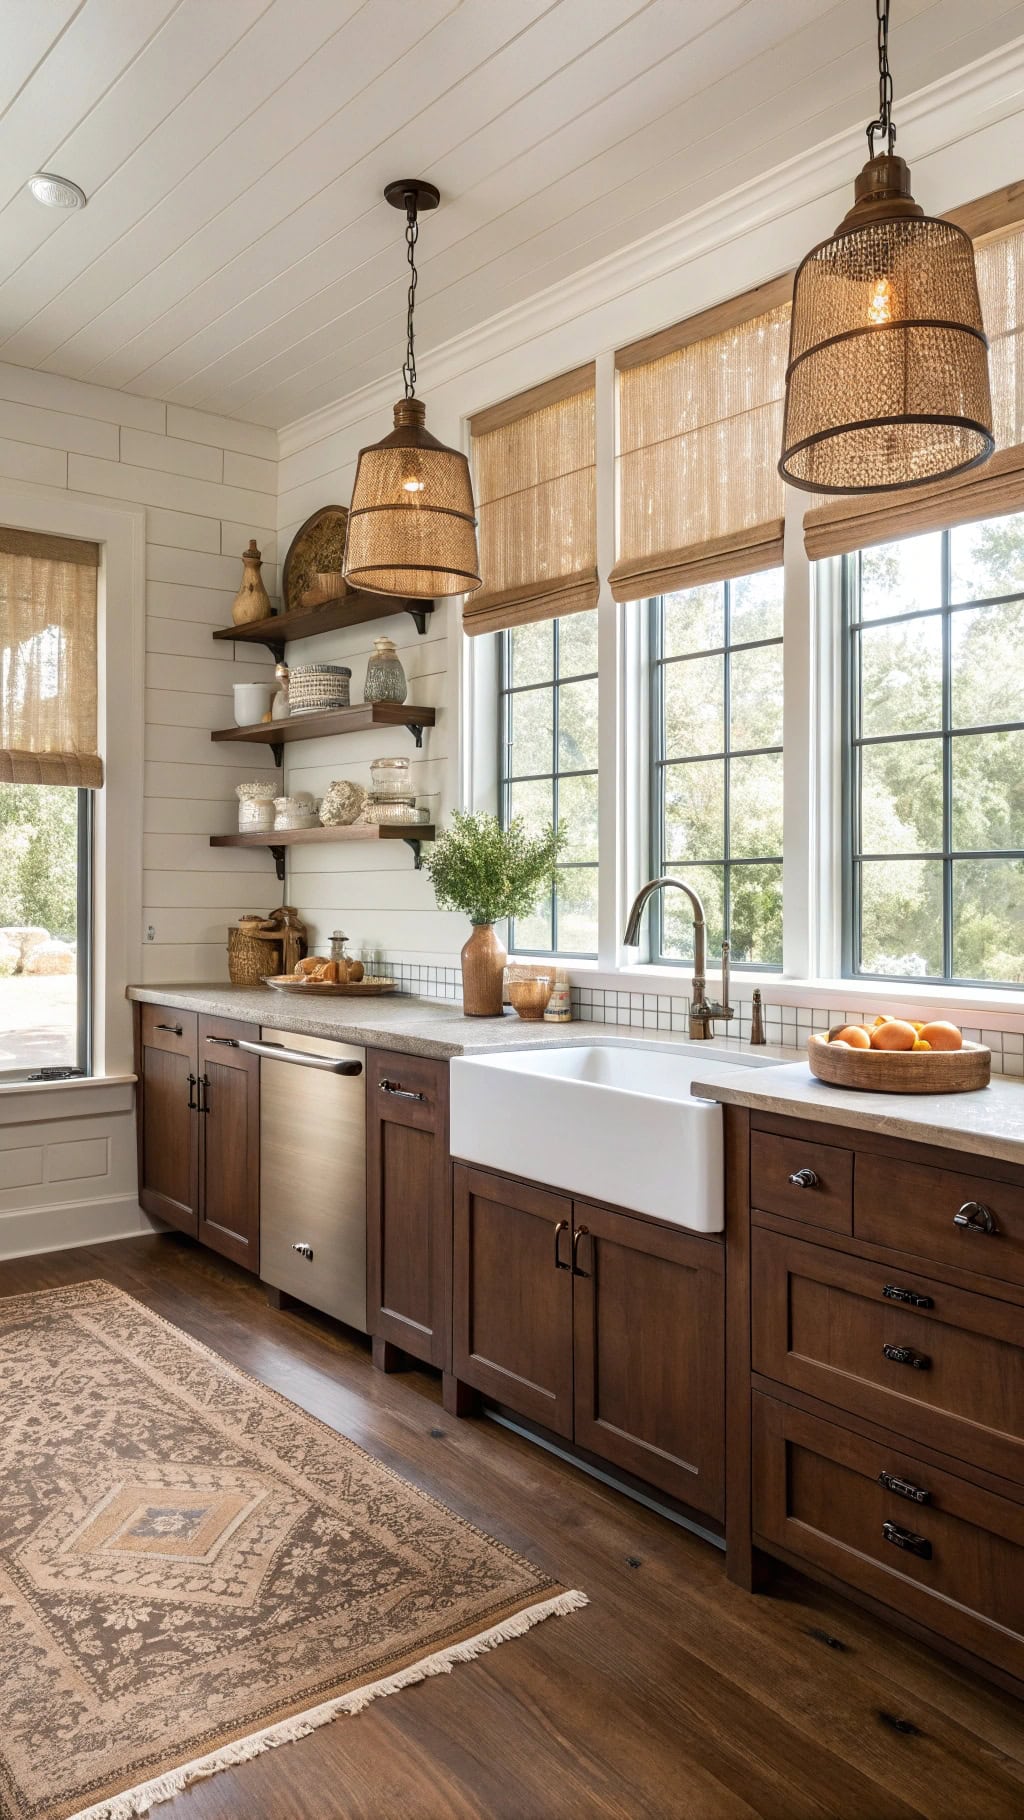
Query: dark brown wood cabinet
[166, 1062]
[229, 1143]
[606, 1328]
[408, 1205]
[877, 1437]
[198, 1129]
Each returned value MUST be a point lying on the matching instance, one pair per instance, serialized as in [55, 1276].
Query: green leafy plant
[489, 872]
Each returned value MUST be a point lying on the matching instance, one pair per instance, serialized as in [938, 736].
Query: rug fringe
[139, 1800]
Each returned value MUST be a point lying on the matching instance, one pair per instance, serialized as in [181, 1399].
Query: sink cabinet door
[229, 1144]
[168, 1124]
[512, 1327]
[649, 1343]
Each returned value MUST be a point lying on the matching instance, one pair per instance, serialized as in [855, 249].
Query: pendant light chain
[412, 234]
[883, 124]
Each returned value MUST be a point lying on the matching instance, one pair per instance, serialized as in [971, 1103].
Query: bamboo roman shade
[534, 464]
[700, 424]
[853, 522]
[48, 660]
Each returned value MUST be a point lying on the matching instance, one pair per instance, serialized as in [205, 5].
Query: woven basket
[252, 958]
[315, 688]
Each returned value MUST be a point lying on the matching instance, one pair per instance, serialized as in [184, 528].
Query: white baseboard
[70, 1223]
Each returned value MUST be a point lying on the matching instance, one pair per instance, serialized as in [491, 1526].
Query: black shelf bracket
[274, 645]
[278, 858]
[277, 748]
[419, 616]
[416, 729]
[417, 851]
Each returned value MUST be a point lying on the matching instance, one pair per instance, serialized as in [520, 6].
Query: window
[934, 784]
[716, 773]
[548, 769]
[45, 906]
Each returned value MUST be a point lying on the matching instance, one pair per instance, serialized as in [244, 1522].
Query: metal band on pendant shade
[412, 524]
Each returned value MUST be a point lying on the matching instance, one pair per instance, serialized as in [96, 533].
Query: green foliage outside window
[39, 863]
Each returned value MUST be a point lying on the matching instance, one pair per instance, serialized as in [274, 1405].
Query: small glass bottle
[338, 940]
[559, 1005]
[385, 677]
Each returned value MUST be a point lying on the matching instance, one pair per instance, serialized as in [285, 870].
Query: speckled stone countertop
[989, 1122]
[418, 1026]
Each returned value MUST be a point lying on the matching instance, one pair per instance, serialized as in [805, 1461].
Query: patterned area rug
[193, 1570]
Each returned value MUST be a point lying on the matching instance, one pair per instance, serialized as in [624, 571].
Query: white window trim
[117, 836]
[812, 846]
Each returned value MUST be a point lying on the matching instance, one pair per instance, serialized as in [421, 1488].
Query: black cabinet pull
[804, 1178]
[563, 1226]
[304, 1250]
[905, 1355]
[909, 1296]
[399, 1092]
[192, 1093]
[175, 1029]
[582, 1232]
[974, 1216]
[902, 1488]
[203, 1093]
[906, 1539]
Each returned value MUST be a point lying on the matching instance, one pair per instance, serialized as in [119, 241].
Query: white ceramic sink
[619, 1124]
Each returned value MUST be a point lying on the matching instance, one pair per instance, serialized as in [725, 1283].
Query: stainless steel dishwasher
[313, 1171]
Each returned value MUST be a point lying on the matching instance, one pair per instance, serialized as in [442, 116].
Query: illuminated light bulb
[412, 478]
[880, 308]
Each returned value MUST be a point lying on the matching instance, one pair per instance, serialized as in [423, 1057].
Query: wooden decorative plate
[901, 1070]
[331, 989]
[317, 548]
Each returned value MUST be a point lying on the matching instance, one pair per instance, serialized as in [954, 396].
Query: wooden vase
[252, 602]
[483, 972]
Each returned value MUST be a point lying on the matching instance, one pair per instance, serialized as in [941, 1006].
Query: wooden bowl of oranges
[893, 1055]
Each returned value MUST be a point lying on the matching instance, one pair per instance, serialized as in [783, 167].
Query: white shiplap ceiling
[235, 254]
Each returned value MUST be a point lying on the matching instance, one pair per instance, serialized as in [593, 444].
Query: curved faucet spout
[702, 1014]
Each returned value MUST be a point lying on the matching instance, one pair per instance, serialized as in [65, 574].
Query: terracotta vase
[483, 969]
[252, 601]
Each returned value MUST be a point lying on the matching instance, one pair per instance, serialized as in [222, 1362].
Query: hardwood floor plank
[675, 1694]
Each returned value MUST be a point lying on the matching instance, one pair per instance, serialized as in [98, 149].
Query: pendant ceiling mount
[887, 382]
[412, 524]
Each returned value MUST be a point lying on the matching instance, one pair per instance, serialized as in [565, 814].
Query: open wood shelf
[276, 840]
[355, 609]
[365, 715]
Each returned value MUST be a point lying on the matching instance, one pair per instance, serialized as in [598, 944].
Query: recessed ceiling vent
[56, 192]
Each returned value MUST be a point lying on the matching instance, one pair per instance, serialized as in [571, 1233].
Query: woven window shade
[48, 660]
[534, 465]
[858, 520]
[699, 496]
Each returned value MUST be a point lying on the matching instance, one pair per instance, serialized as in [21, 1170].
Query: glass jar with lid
[389, 777]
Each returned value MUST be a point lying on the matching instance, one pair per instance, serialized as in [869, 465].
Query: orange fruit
[921, 1044]
[941, 1035]
[855, 1037]
[894, 1035]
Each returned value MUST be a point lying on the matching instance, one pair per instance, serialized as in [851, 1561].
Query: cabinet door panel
[167, 1119]
[512, 1324]
[650, 1353]
[229, 1144]
[409, 1230]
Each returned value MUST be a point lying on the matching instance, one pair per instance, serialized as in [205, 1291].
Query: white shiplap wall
[207, 484]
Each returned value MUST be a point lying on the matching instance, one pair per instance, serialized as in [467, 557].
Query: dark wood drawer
[943, 1366]
[819, 1495]
[172, 1031]
[912, 1207]
[803, 1181]
[410, 1088]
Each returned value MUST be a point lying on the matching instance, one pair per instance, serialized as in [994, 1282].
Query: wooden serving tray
[901, 1070]
[332, 989]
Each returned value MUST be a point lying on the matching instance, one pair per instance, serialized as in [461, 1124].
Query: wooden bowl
[901, 1070]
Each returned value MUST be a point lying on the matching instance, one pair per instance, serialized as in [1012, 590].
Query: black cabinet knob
[803, 1178]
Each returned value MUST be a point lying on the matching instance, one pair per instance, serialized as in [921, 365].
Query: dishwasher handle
[276, 1052]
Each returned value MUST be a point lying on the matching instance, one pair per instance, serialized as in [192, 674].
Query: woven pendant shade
[411, 524]
[887, 384]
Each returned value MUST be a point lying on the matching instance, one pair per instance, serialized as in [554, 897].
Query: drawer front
[943, 1366]
[412, 1089]
[172, 1031]
[914, 1208]
[951, 1557]
[808, 1182]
